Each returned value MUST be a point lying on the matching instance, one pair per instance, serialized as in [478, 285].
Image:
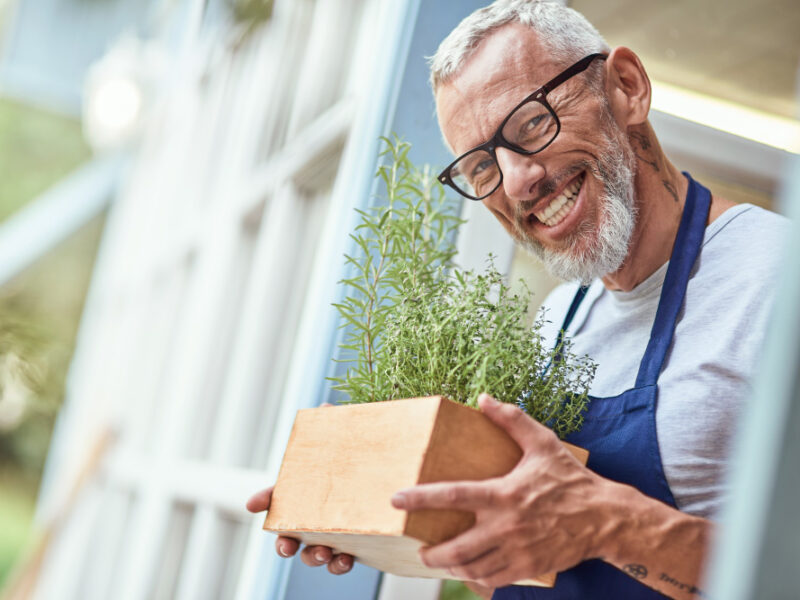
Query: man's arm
[658, 545]
[551, 513]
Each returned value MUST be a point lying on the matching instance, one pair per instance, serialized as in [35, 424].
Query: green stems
[417, 326]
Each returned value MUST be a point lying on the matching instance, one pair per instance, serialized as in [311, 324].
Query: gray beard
[595, 253]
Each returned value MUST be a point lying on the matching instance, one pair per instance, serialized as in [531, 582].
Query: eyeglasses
[529, 128]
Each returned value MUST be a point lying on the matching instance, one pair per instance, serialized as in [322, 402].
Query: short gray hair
[564, 32]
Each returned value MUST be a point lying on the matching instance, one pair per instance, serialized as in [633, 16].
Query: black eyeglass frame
[497, 140]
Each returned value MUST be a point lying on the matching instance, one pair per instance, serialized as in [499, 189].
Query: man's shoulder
[746, 241]
[739, 270]
[757, 227]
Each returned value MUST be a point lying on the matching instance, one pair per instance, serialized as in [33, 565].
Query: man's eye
[482, 167]
[534, 122]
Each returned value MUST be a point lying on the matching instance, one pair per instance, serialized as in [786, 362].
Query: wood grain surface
[343, 464]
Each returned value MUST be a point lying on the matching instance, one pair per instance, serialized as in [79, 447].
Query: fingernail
[486, 398]
[282, 551]
[399, 500]
[344, 561]
[320, 557]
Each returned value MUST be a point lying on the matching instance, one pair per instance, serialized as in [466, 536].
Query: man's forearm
[660, 546]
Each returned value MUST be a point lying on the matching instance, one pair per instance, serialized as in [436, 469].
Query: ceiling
[744, 51]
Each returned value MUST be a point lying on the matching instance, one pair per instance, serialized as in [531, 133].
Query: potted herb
[432, 337]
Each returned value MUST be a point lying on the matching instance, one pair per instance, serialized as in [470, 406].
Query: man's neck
[660, 193]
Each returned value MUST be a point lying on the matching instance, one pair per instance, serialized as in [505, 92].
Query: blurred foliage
[39, 311]
[253, 12]
[455, 590]
[37, 148]
[250, 15]
[16, 512]
[45, 303]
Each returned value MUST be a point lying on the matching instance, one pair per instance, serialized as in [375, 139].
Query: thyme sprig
[418, 326]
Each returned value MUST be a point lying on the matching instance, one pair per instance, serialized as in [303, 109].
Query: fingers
[341, 564]
[316, 556]
[475, 555]
[501, 578]
[464, 495]
[469, 548]
[286, 547]
[483, 567]
[510, 418]
[259, 502]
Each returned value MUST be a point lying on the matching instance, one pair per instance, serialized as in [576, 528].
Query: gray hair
[564, 32]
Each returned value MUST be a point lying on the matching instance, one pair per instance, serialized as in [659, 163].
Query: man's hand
[550, 513]
[313, 556]
[545, 515]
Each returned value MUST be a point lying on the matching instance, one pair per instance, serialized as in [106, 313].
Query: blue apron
[620, 432]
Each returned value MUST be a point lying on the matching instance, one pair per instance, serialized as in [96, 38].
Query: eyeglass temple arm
[579, 66]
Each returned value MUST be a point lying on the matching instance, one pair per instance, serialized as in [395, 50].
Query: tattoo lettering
[671, 189]
[683, 586]
[643, 140]
[652, 163]
[636, 571]
[644, 143]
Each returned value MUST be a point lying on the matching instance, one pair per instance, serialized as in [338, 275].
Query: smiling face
[572, 203]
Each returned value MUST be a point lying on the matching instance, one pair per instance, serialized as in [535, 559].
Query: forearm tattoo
[640, 572]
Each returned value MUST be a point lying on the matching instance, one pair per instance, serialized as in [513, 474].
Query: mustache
[546, 188]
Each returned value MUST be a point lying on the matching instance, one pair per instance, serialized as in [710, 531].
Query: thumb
[260, 501]
[522, 428]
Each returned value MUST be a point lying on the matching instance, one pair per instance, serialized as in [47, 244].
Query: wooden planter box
[344, 463]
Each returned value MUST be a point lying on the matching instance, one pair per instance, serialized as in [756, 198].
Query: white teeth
[559, 207]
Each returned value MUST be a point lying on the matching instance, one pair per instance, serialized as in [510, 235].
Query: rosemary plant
[418, 326]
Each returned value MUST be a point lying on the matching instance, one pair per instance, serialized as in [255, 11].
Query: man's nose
[521, 173]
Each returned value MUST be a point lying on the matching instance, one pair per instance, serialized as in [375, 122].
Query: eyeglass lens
[531, 127]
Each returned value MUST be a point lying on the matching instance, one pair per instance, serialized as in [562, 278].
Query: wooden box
[344, 463]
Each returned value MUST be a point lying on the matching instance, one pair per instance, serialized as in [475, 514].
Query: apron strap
[684, 255]
[685, 251]
[573, 309]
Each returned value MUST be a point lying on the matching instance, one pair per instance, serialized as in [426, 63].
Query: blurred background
[176, 177]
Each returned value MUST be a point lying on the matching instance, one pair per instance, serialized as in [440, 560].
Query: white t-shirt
[715, 350]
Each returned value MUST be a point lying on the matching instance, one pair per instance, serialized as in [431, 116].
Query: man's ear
[628, 87]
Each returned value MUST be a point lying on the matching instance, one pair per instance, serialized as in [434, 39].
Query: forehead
[507, 66]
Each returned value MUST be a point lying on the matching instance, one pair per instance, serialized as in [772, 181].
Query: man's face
[572, 203]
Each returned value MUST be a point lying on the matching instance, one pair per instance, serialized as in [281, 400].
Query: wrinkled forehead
[506, 67]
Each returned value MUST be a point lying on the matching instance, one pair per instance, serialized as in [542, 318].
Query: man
[549, 127]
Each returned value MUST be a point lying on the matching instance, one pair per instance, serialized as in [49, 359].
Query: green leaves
[417, 326]
[401, 244]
